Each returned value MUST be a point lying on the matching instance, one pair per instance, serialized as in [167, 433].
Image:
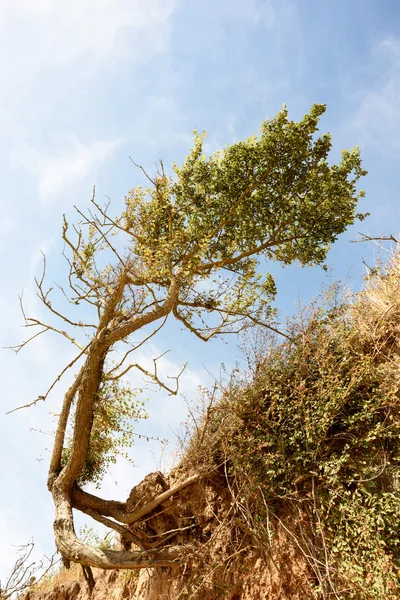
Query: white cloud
[57, 175]
[53, 59]
[95, 30]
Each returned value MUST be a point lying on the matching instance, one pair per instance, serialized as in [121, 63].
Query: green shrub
[315, 435]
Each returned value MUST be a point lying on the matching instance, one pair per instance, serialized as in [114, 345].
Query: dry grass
[61, 577]
[375, 312]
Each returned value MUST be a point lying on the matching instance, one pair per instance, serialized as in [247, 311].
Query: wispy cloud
[56, 176]
[53, 59]
[96, 31]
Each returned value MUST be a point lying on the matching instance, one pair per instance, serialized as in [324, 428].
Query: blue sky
[85, 85]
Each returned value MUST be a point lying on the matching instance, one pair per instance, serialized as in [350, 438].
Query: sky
[86, 85]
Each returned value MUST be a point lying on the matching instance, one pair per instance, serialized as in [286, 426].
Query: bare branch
[112, 221]
[38, 399]
[104, 236]
[44, 298]
[143, 171]
[59, 376]
[36, 323]
[197, 332]
[209, 307]
[382, 238]
[119, 365]
[24, 571]
[154, 378]
[19, 347]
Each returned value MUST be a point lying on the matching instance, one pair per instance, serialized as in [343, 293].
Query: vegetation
[115, 412]
[187, 247]
[310, 441]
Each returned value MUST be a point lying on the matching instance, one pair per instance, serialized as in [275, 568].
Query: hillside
[299, 463]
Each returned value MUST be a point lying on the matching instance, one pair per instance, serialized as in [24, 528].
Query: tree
[188, 247]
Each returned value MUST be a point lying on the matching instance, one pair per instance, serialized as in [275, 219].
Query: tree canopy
[188, 246]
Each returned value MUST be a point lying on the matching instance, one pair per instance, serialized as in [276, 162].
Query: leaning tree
[188, 247]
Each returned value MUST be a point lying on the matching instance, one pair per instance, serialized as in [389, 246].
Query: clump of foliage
[115, 413]
[314, 436]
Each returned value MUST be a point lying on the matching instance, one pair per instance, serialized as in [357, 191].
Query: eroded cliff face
[223, 560]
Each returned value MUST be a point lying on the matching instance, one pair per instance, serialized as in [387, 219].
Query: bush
[314, 435]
